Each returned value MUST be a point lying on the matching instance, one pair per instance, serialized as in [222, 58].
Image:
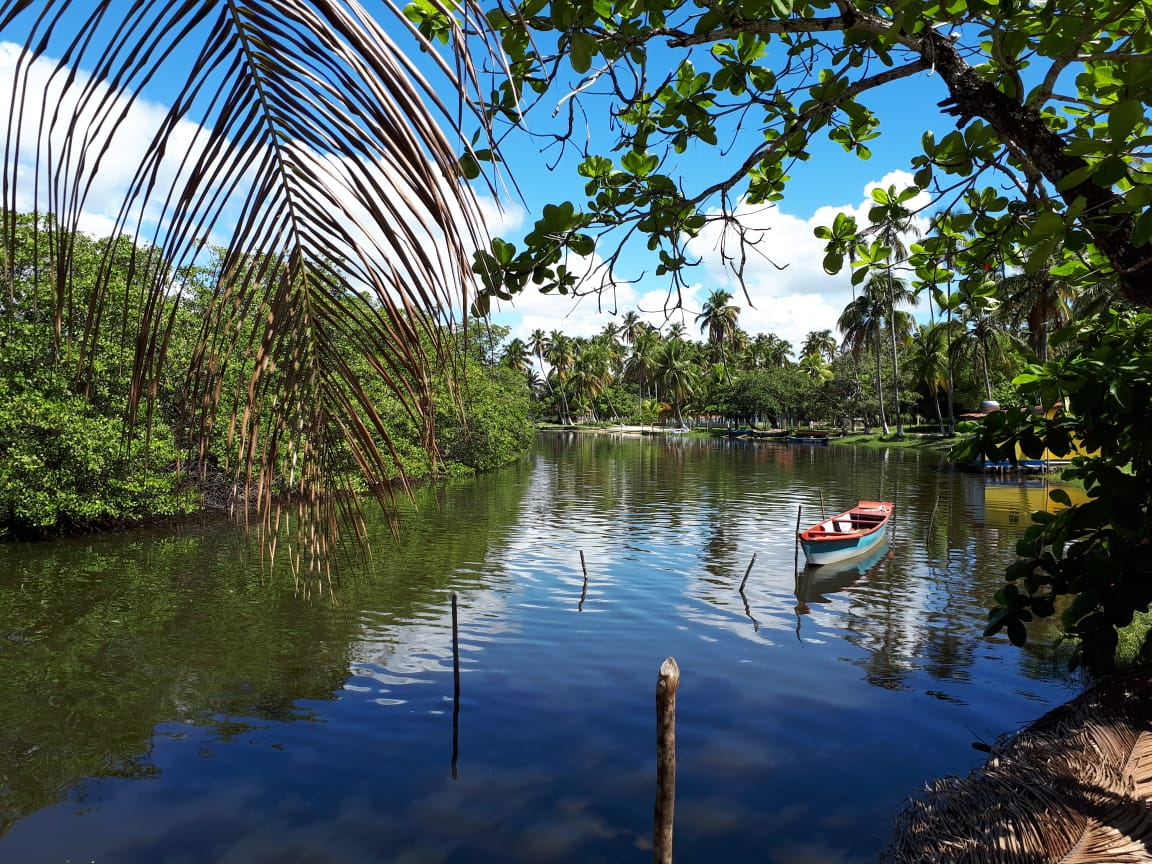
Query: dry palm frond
[307, 146]
[1075, 787]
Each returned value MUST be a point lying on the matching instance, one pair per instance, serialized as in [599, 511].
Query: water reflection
[161, 701]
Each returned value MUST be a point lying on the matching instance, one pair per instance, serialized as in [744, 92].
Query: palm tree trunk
[895, 377]
[880, 392]
[951, 375]
[984, 368]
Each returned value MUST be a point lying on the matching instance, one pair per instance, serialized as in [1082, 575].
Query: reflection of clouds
[391, 653]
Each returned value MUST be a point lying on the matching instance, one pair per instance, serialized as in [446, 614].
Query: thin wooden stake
[666, 686]
[796, 550]
[455, 687]
[584, 590]
[744, 581]
[820, 492]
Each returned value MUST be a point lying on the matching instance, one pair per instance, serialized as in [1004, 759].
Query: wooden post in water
[584, 590]
[744, 581]
[666, 686]
[796, 548]
[455, 687]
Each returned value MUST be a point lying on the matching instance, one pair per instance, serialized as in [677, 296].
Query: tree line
[878, 367]
[73, 457]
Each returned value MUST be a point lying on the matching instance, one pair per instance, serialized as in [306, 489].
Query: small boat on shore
[848, 534]
[819, 440]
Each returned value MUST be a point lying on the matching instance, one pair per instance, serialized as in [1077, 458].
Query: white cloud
[59, 129]
[788, 292]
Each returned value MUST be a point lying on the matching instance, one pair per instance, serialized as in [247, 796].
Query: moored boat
[848, 534]
[819, 440]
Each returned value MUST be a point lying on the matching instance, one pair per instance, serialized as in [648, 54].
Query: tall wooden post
[666, 686]
[455, 688]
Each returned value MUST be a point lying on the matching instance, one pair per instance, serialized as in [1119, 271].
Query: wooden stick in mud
[455, 687]
[666, 686]
[744, 581]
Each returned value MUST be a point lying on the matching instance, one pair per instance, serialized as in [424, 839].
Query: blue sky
[788, 302]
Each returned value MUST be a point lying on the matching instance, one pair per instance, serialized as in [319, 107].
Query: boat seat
[843, 525]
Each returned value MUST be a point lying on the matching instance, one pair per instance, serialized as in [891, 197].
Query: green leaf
[1123, 118]
[583, 49]
[1142, 230]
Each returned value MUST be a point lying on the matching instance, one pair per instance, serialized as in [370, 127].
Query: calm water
[160, 703]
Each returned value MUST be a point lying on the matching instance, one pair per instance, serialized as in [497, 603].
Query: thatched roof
[1073, 787]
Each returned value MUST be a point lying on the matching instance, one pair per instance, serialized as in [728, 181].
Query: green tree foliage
[1089, 564]
[1048, 100]
[70, 459]
[302, 139]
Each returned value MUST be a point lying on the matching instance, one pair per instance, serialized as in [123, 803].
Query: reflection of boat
[846, 535]
[813, 582]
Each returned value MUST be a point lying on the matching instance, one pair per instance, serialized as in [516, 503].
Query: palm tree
[679, 374]
[538, 343]
[515, 355]
[929, 364]
[718, 318]
[862, 323]
[889, 292]
[982, 333]
[631, 326]
[328, 180]
[642, 362]
[1038, 302]
[561, 355]
[591, 374]
[819, 343]
[816, 367]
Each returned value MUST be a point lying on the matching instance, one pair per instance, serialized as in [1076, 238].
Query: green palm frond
[305, 143]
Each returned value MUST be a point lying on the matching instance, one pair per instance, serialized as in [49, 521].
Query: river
[163, 702]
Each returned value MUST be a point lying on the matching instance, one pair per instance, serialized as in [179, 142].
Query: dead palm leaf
[304, 141]
[1075, 787]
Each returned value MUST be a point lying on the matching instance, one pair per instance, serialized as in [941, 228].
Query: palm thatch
[1073, 787]
[304, 142]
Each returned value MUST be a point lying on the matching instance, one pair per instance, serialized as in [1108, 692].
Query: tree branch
[851, 92]
[973, 96]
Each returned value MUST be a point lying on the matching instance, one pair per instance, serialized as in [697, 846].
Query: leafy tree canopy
[1049, 100]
